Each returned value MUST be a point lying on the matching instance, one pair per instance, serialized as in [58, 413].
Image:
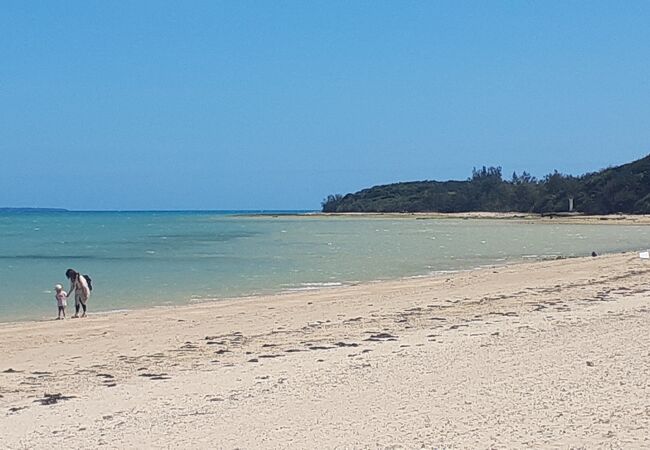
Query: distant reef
[27, 210]
[620, 189]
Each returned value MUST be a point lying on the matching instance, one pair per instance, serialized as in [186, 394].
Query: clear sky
[275, 104]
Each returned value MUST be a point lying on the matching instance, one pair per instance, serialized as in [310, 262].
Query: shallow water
[139, 259]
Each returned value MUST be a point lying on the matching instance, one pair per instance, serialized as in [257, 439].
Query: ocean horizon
[30, 209]
[140, 259]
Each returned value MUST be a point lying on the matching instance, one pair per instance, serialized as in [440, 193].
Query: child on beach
[61, 302]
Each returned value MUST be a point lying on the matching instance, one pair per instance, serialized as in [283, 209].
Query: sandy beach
[552, 354]
[555, 218]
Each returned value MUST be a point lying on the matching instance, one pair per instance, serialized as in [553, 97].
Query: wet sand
[545, 354]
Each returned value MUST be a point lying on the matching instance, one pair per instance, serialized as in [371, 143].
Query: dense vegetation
[622, 189]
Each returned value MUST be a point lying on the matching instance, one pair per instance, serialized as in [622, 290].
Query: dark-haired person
[79, 285]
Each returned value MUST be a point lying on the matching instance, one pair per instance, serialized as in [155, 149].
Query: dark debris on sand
[156, 376]
[51, 399]
[381, 337]
[14, 409]
[346, 344]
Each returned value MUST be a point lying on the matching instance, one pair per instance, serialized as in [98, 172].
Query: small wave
[323, 284]
[416, 277]
[300, 289]
[446, 272]
[311, 286]
[542, 257]
[110, 311]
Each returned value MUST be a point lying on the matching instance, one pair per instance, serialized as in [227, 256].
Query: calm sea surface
[140, 259]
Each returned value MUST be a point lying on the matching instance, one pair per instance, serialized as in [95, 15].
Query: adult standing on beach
[79, 285]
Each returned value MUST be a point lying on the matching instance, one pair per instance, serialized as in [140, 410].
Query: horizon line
[66, 210]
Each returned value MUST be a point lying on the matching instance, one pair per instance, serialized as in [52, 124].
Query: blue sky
[275, 104]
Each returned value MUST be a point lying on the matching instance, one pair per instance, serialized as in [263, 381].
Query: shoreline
[252, 297]
[554, 218]
[443, 361]
[525, 259]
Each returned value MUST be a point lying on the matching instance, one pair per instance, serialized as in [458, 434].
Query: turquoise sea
[142, 259]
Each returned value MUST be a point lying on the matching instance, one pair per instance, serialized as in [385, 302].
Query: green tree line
[622, 189]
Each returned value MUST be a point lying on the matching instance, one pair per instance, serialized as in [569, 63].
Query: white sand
[547, 355]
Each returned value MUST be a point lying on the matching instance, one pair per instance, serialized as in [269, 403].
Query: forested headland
[621, 189]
